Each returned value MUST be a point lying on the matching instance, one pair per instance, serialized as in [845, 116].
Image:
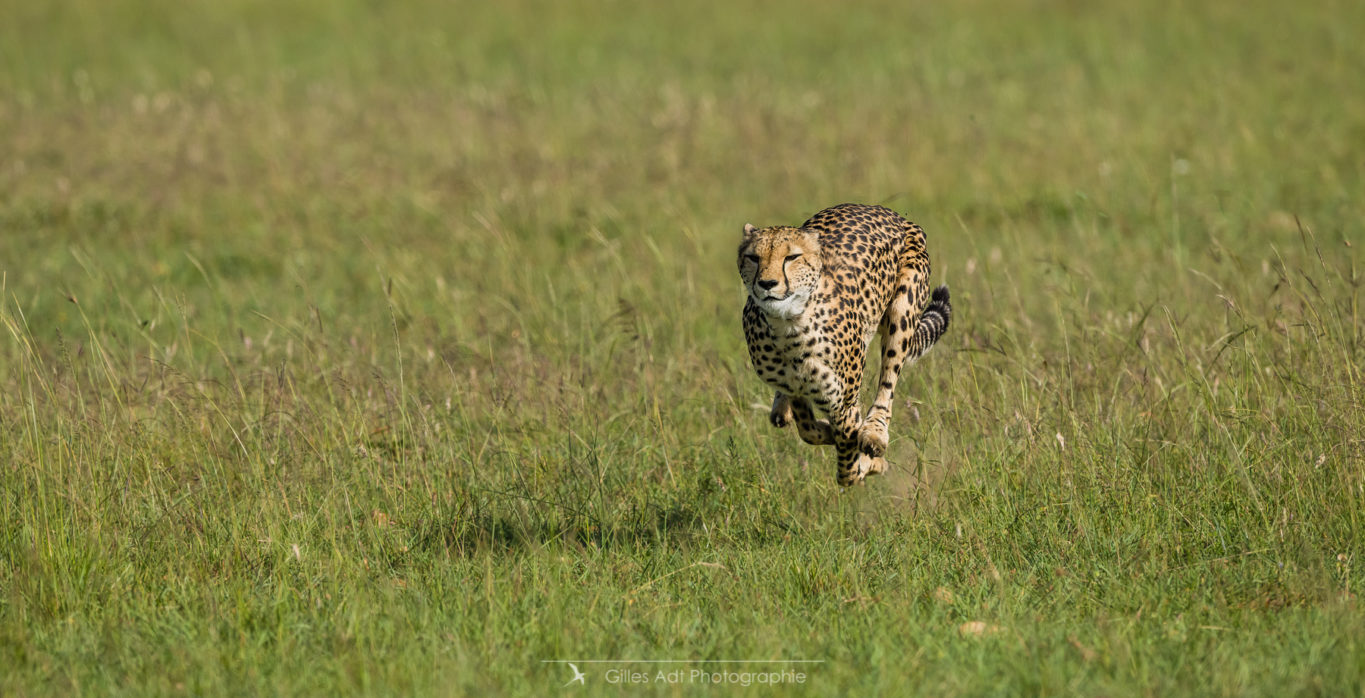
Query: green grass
[352, 348]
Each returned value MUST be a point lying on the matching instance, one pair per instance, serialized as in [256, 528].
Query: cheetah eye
[790, 257]
[752, 258]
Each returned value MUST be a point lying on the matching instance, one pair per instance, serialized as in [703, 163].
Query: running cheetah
[816, 296]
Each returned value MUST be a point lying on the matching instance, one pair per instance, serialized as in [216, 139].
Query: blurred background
[303, 298]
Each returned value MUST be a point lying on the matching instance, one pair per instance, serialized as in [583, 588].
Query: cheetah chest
[795, 359]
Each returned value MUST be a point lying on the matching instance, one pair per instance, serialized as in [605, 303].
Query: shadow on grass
[469, 530]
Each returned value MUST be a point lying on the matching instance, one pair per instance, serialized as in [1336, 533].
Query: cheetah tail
[933, 322]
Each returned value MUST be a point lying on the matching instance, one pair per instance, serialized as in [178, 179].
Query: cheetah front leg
[787, 409]
[853, 464]
[781, 414]
[845, 423]
[816, 432]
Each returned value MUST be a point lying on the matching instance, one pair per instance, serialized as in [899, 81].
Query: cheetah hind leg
[904, 339]
[895, 330]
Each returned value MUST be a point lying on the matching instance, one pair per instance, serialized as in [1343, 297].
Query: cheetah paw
[866, 466]
[781, 416]
[876, 466]
[872, 439]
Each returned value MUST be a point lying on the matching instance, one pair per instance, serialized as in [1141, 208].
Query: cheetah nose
[767, 285]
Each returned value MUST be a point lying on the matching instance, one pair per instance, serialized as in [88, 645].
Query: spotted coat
[817, 295]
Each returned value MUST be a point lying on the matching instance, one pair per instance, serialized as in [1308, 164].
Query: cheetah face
[780, 268]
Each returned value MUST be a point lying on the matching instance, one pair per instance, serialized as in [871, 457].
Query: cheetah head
[780, 268]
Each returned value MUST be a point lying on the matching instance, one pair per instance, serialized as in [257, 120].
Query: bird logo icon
[578, 676]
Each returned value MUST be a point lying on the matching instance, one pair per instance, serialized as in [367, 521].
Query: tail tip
[939, 303]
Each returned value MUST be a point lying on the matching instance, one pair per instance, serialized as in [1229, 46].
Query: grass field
[354, 348]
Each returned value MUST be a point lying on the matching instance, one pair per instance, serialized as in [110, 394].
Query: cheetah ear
[749, 230]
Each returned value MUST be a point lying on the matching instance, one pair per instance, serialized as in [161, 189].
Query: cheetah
[816, 296]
